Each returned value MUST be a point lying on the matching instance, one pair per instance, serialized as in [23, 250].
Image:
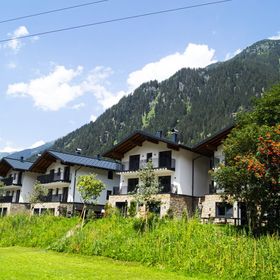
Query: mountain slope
[28, 153]
[198, 102]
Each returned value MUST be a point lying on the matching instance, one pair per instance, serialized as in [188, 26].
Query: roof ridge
[78, 155]
[17, 159]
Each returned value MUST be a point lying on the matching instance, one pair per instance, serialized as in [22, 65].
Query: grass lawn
[29, 263]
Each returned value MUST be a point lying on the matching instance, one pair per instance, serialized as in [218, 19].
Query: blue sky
[51, 85]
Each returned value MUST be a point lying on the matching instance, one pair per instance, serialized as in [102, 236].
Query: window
[3, 212]
[165, 184]
[134, 162]
[108, 194]
[36, 211]
[164, 159]
[110, 175]
[224, 210]
[154, 207]
[122, 206]
[149, 156]
[132, 184]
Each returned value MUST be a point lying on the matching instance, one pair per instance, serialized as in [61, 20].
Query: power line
[114, 20]
[53, 11]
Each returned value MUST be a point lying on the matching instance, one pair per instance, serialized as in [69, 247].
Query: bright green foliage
[90, 187]
[35, 231]
[38, 192]
[188, 247]
[149, 116]
[41, 264]
[252, 172]
[148, 186]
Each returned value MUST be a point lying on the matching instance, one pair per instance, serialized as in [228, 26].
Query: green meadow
[182, 247]
[31, 263]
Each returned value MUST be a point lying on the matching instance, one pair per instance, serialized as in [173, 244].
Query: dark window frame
[110, 175]
[224, 210]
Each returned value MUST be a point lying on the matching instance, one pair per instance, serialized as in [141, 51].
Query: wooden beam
[173, 147]
[116, 155]
[210, 147]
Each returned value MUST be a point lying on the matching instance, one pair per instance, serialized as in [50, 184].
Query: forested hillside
[198, 102]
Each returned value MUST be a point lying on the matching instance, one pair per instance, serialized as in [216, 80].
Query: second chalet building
[59, 172]
[182, 173]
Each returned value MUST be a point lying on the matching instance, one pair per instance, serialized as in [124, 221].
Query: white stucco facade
[184, 179]
[23, 186]
[28, 181]
[74, 172]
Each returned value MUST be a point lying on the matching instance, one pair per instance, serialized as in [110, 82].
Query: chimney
[78, 151]
[159, 134]
[175, 136]
[21, 159]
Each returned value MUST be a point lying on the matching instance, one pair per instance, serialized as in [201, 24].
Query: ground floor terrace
[211, 208]
[11, 208]
[162, 204]
[66, 209]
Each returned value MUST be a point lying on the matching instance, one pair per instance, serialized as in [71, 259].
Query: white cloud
[16, 44]
[275, 37]
[51, 92]
[55, 90]
[9, 149]
[37, 144]
[231, 55]
[194, 56]
[92, 118]
[78, 106]
[97, 83]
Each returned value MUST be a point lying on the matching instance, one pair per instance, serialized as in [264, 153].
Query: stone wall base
[58, 208]
[14, 208]
[175, 203]
[209, 213]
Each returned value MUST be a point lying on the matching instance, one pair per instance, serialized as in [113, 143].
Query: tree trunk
[83, 215]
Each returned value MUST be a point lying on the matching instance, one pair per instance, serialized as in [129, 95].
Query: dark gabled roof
[48, 157]
[136, 139]
[7, 163]
[210, 144]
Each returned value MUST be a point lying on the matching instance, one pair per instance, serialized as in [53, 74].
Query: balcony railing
[55, 177]
[157, 163]
[116, 190]
[53, 198]
[6, 199]
[9, 181]
[167, 189]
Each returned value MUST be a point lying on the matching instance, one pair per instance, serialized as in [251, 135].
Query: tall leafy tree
[148, 186]
[251, 173]
[90, 189]
[37, 195]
